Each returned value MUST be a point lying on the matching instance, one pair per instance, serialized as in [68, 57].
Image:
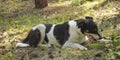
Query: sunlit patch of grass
[77, 2]
[28, 19]
[9, 6]
[86, 3]
[65, 3]
[89, 4]
[7, 56]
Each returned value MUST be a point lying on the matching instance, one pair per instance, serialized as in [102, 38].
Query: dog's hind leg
[74, 45]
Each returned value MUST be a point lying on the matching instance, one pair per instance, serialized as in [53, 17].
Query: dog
[67, 34]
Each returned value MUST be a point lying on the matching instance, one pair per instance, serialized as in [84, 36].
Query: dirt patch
[38, 53]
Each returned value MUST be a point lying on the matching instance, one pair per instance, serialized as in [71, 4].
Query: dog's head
[89, 28]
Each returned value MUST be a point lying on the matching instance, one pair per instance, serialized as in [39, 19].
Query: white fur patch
[75, 37]
[74, 45]
[51, 37]
[75, 33]
[22, 45]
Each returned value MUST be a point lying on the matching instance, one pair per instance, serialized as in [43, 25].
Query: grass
[20, 16]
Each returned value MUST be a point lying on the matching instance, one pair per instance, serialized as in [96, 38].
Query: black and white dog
[68, 34]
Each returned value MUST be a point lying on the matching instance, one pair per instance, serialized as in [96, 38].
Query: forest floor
[17, 17]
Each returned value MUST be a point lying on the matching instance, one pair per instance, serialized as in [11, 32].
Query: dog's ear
[89, 18]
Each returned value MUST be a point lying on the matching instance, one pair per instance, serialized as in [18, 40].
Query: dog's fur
[68, 34]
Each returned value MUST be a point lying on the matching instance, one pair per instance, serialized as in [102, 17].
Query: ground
[17, 17]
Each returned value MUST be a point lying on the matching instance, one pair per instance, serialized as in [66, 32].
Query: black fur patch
[89, 17]
[48, 27]
[81, 24]
[33, 38]
[61, 32]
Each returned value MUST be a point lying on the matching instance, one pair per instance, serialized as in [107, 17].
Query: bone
[105, 40]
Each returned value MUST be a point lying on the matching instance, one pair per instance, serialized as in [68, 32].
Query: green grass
[18, 26]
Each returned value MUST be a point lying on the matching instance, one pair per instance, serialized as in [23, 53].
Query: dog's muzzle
[96, 37]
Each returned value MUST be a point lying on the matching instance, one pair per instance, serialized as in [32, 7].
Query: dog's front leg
[74, 45]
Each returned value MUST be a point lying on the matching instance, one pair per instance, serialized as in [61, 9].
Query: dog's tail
[22, 45]
[32, 39]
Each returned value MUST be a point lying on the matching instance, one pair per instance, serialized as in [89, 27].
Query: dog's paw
[84, 48]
